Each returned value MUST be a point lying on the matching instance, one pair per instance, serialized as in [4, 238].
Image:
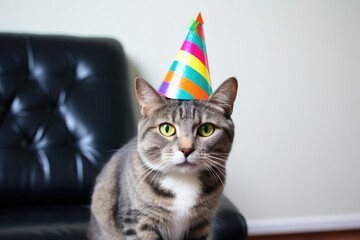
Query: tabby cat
[167, 182]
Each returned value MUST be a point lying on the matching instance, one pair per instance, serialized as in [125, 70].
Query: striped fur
[150, 189]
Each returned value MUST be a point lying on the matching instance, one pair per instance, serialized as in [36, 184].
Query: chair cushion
[48, 222]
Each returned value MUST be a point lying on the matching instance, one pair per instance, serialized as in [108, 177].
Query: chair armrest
[229, 222]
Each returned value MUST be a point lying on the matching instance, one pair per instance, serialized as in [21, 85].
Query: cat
[167, 182]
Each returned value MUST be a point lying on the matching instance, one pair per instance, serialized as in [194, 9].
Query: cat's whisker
[220, 171]
[217, 154]
[219, 165]
[157, 173]
[215, 158]
[148, 171]
[214, 175]
[144, 172]
[208, 168]
[143, 176]
[140, 179]
[112, 150]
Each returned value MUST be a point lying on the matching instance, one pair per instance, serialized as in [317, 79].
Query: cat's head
[185, 136]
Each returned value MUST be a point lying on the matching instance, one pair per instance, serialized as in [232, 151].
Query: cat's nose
[187, 151]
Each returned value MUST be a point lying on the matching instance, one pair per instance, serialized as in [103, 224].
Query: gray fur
[150, 189]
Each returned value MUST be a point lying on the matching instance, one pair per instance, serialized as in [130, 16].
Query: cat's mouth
[185, 163]
[186, 167]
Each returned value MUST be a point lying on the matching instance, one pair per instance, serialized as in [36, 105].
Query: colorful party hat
[188, 77]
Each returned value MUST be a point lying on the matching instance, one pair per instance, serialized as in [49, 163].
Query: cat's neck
[186, 188]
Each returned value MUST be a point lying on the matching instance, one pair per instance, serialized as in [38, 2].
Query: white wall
[297, 147]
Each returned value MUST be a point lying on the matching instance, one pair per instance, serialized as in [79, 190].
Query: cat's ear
[148, 98]
[225, 95]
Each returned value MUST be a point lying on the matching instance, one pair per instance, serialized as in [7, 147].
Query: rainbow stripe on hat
[189, 77]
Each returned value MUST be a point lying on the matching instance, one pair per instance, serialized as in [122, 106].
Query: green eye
[167, 129]
[206, 129]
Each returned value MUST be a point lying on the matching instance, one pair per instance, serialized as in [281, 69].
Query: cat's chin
[186, 168]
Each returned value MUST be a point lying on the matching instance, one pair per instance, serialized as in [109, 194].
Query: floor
[343, 235]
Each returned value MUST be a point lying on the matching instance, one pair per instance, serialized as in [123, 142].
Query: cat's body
[167, 182]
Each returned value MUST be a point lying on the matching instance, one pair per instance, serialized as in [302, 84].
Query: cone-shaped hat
[188, 77]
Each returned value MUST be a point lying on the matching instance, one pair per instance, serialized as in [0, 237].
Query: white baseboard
[304, 224]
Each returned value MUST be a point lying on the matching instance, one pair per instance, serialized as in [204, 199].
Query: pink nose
[187, 151]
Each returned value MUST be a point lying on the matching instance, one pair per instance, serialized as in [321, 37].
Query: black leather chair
[64, 108]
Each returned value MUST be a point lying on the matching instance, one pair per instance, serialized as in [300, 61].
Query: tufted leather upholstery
[64, 108]
[58, 97]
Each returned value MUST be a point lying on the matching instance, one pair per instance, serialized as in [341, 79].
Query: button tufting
[82, 71]
[23, 143]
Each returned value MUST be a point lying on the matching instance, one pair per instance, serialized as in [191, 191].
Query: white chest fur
[186, 189]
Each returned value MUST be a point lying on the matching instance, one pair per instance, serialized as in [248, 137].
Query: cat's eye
[206, 130]
[167, 129]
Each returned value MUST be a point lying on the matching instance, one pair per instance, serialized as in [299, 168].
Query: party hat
[188, 77]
